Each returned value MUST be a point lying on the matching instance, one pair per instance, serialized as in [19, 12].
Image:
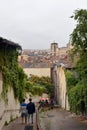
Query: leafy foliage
[44, 82]
[13, 75]
[78, 92]
[38, 89]
[78, 98]
[79, 35]
[70, 79]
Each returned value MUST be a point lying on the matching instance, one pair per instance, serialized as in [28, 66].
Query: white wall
[37, 71]
[8, 110]
[60, 87]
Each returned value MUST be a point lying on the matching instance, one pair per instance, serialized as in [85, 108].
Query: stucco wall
[61, 93]
[60, 87]
[10, 110]
[37, 71]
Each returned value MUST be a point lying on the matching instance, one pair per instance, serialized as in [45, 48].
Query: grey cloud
[36, 23]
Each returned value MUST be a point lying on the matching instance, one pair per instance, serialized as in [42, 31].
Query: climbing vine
[13, 75]
[77, 92]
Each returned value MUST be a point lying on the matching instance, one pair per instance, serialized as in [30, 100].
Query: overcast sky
[34, 24]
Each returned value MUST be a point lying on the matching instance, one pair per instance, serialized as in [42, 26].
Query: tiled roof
[5, 41]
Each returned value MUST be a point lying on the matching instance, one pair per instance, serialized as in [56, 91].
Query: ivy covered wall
[77, 93]
[13, 75]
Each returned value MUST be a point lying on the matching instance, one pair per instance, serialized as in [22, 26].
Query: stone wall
[37, 71]
[8, 111]
[63, 51]
[60, 86]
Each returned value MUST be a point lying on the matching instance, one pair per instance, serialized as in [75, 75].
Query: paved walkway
[55, 119]
[58, 119]
[17, 125]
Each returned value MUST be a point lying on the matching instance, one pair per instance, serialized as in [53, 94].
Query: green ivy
[13, 75]
[70, 79]
[78, 98]
[77, 93]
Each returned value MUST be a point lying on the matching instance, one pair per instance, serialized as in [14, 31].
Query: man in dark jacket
[31, 109]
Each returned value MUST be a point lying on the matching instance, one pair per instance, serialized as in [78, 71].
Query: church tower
[54, 48]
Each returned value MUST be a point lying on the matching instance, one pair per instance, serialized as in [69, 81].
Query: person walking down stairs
[31, 110]
[23, 111]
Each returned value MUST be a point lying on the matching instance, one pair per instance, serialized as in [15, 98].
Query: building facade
[37, 71]
[55, 50]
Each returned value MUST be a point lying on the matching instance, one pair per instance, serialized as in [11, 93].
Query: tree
[43, 84]
[79, 35]
[79, 41]
[78, 93]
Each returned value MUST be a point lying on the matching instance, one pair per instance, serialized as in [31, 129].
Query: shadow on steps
[28, 127]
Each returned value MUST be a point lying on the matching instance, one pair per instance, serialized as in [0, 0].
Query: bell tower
[54, 48]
